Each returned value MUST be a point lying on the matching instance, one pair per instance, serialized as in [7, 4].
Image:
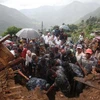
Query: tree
[73, 27]
[12, 31]
[87, 21]
[82, 22]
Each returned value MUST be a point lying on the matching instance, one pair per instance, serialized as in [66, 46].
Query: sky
[27, 4]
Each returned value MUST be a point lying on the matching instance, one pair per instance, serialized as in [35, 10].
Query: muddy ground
[11, 91]
[23, 94]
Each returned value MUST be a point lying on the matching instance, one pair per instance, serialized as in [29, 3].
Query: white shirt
[52, 40]
[81, 37]
[28, 59]
[79, 56]
[58, 42]
[43, 36]
[46, 39]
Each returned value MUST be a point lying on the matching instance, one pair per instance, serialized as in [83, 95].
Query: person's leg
[79, 88]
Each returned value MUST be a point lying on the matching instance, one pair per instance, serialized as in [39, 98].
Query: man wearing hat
[88, 63]
[79, 53]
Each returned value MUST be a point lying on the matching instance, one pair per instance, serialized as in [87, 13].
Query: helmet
[88, 51]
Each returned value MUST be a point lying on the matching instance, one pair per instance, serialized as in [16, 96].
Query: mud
[11, 91]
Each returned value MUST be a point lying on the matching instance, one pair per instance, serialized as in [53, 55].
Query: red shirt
[23, 54]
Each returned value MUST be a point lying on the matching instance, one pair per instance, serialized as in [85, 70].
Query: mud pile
[11, 91]
[90, 94]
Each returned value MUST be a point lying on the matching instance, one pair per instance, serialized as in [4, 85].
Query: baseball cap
[88, 51]
[79, 46]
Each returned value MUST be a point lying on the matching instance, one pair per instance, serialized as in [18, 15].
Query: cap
[88, 51]
[79, 46]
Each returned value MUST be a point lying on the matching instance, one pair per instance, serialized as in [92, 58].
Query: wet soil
[11, 91]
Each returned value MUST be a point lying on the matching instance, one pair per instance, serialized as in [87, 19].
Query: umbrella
[28, 33]
[65, 27]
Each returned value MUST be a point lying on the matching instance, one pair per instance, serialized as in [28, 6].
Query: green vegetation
[73, 27]
[89, 26]
[12, 31]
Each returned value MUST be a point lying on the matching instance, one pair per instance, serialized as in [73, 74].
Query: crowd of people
[57, 60]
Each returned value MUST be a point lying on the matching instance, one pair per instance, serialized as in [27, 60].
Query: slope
[12, 17]
[53, 15]
[95, 13]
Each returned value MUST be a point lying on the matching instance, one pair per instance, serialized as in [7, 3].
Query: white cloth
[52, 40]
[13, 52]
[28, 59]
[79, 56]
[46, 39]
[58, 42]
[81, 37]
[43, 36]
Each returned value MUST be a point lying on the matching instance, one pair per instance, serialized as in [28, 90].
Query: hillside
[95, 13]
[12, 17]
[68, 14]
[47, 14]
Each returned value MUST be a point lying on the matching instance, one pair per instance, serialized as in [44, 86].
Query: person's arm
[97, 68]
[82, 68]
[94, 67]
[94, 70]
[51, 87]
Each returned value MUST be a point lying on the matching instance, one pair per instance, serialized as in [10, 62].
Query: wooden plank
[19, 99]
[3, 76]
[15, 62]
[3, 83]
[5, 55]
[15, 87]
[13, 72]
[89, 83]
[12, 94]
[4, 38]
[11, 88]
[0, 89]
[3, 71]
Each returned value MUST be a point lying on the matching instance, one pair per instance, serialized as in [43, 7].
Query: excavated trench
[11, 91]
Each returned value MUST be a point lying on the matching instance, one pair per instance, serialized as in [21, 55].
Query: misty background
[30, 13]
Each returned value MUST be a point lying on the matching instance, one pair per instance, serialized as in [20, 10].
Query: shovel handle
[23, 75]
